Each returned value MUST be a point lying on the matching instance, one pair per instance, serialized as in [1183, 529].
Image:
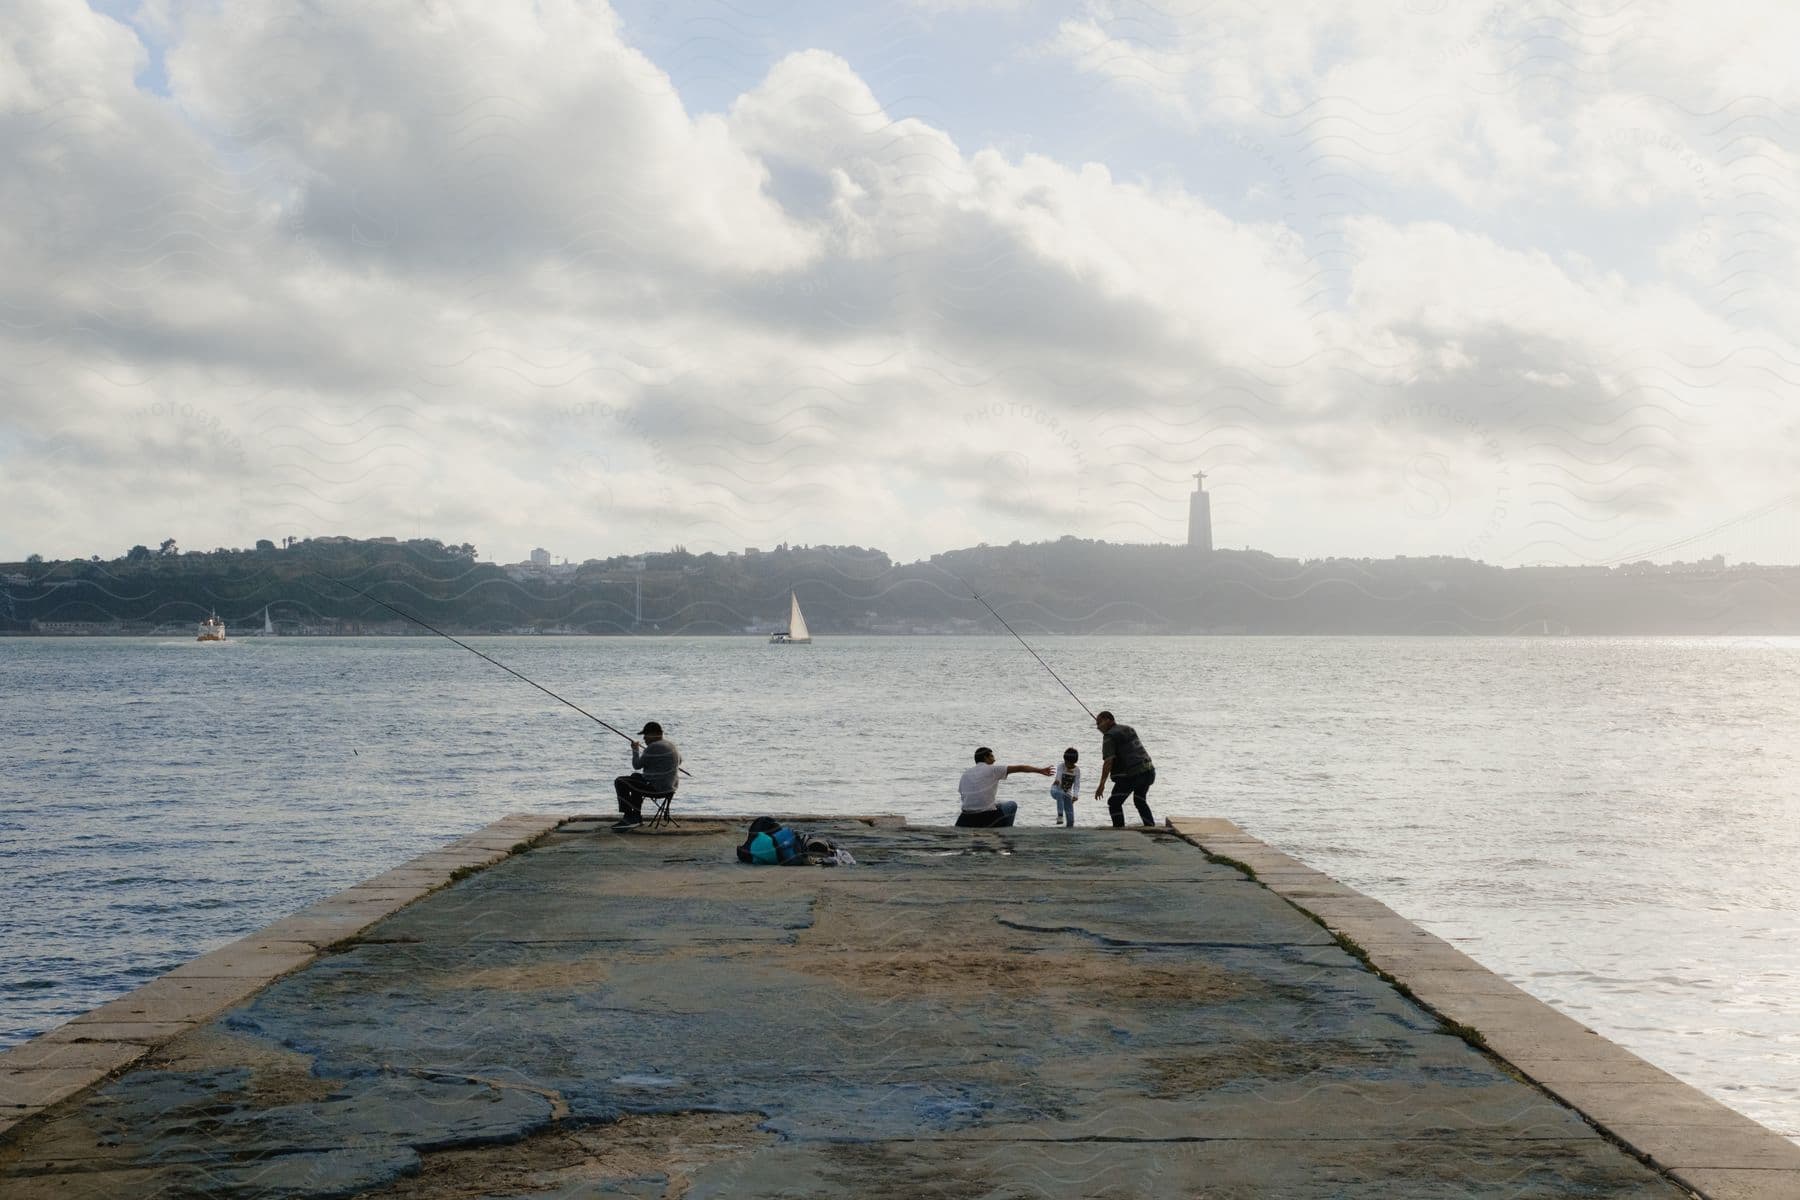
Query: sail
[267, 627]
[796, 622]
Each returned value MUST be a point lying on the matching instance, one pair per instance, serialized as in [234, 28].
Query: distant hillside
[1067, 586]
[1075, 585]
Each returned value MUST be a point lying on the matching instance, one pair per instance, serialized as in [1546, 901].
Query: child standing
[1065, 785]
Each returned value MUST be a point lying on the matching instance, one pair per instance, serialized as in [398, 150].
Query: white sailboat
[268, 626]
[796, 634]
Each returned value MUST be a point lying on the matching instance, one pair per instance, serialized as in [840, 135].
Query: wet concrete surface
[1029, 1012]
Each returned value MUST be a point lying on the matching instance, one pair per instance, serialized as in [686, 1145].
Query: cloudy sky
[1506, 280]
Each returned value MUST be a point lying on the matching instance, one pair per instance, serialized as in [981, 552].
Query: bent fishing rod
[1027, 645]
[478, 654]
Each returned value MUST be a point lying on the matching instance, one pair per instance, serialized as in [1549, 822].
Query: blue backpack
[770, 844]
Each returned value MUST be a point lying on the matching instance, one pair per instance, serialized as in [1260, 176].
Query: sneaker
[628, 822]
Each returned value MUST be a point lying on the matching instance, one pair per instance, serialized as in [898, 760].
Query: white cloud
[1489, 103]
[487, 134]
[960, 6]
[483, 277]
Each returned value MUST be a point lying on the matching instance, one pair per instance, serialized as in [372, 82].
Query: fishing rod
[1027, 645]
[478, 654]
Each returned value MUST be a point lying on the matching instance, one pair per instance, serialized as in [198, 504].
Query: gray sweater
[1121, 744]
[660, 763]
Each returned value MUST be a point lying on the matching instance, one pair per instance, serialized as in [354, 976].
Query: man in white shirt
[980, 787]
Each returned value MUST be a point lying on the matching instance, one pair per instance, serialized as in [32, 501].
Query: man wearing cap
[658, 770]
[980, 787]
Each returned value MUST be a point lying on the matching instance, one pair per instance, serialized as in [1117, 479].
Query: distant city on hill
[1072, 585]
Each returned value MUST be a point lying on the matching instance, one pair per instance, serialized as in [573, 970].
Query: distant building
[540, 557]
[1200, 516]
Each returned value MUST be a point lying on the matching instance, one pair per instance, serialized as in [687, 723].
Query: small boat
[796, 634]
[268, 625]
[211, 630]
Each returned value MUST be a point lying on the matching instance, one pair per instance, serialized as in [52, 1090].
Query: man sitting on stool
[658, 765]
[980, 786]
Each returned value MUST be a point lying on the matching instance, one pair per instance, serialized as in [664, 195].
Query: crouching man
[980, 788]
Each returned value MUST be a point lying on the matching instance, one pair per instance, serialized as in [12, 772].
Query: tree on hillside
[169, 549]
[137, 554]
[264, 544]
[34, 559]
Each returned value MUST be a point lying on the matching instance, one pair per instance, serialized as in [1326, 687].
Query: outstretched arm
[1017, 767]
[1105, 770]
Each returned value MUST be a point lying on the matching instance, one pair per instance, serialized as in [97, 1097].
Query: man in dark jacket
[1128, 763]
[658, 770]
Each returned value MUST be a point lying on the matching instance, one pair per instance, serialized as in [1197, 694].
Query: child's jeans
[1065, 805]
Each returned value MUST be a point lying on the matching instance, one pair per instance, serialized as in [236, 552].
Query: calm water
[1611, 823]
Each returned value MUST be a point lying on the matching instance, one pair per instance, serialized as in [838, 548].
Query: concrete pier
[1027, 1012]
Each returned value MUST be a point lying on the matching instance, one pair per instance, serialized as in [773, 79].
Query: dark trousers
[1137, 787]
[998, 817]
[633, 791]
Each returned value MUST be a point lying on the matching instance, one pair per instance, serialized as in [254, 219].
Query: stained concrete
[965, 1013]
[1718, 1152]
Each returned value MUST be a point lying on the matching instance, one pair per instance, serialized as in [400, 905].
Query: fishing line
[1027, 645]
[478, 654]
